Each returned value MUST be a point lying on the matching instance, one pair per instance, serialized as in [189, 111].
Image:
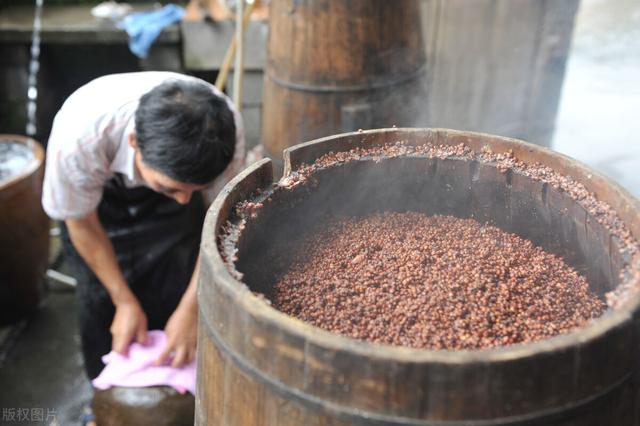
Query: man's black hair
[185, 131]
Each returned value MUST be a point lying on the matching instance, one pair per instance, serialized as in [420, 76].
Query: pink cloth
[137, 369]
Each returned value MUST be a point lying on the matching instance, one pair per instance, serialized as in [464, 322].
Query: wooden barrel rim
[256, 307]
[38, 153]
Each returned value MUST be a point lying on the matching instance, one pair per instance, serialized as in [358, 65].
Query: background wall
[599, 117]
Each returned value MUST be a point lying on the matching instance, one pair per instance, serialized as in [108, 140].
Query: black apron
[156, 241]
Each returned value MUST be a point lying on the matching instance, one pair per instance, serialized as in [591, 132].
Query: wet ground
[598, 123]
[41, 366]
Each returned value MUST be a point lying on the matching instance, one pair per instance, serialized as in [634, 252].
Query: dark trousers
[156, 241]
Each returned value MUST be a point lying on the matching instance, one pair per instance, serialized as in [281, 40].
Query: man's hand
[129, 324]
[90, 239]
[181, 331]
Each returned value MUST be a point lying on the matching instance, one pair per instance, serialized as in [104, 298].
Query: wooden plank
[496, 66]
[458, 67]
[548, 68]
[515, 32]
[210, 380]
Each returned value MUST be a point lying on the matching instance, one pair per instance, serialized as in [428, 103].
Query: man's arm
[182, 326]
[90, 240]
[181, 329]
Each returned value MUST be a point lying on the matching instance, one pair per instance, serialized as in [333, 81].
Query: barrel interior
[15, 157]
[460, 187]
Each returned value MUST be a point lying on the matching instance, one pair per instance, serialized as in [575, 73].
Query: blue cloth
[145, 27]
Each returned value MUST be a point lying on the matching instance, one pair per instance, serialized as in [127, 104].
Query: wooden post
[229, 56]
[239, 65]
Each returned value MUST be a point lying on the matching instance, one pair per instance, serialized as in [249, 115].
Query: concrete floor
[598, 123]
[41, 366]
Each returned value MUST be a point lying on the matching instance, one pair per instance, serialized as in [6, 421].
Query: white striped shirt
[89, 142]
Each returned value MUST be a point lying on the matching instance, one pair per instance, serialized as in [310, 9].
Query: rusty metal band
[413, 75]
[356, 416]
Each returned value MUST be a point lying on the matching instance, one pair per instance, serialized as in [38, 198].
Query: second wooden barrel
[339, 66]
[24, 227]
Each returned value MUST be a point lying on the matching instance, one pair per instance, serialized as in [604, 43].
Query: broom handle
[221, 80]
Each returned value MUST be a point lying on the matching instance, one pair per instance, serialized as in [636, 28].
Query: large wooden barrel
[258, 366]
[336, 66]
[24, 227]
